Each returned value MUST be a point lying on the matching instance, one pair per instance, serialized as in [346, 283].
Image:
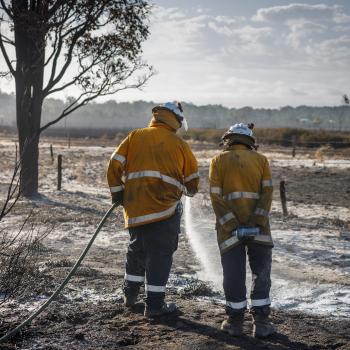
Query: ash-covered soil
[89, 313]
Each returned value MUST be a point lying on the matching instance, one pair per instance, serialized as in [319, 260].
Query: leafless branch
[105, 89]
[6, 75]
[5, 8]
[7, 40]
[55, 7]
[77, 32]
[6, 57]
[55, 79]
[13, 192]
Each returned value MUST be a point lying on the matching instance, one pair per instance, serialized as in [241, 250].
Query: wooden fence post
[283, 197]
[51, 153]
[59, 172]
[294, 144]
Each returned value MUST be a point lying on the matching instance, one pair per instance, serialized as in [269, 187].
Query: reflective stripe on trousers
[134, 278]
[253, 303]
[155, 289]
[237, 306]
[260, 302]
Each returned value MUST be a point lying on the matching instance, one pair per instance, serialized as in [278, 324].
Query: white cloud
[174, 33]
[341, 18]
[282, 55]
[296, 11]
[229, 20]
[302, 29]
[250, 34]
[221, 29]
[225, 59]
[334, 51]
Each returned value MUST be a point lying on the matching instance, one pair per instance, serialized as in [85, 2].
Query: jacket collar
[237, 147]
[157, 124]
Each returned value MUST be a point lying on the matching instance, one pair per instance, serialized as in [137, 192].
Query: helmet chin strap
[184, 124]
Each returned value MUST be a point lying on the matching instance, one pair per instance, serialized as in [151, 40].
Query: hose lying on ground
[63, 284]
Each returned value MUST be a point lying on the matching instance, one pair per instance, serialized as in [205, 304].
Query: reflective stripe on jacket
[154, 167]
[241, 193]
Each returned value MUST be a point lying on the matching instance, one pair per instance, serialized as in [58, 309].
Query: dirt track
[90, 315]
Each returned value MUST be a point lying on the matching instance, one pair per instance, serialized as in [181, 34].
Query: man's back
[241, 169]
[156, 148]
[158, 166]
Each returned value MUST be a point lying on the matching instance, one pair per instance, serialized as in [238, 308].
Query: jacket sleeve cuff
[260, 217]
[192, 186]
[228, 222]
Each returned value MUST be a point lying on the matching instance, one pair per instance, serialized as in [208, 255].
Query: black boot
[233, 325]
[165, 309]
[131, 291]
[262, 327]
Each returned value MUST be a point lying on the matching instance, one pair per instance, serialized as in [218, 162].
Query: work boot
[234, 324]
[130, 300]
[165, 309]
[262, 327]
[131, 291]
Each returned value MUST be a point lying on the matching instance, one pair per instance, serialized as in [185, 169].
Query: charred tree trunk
[30, 53]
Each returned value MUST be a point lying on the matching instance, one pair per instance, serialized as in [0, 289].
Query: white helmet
[240, 129]
[176, 108]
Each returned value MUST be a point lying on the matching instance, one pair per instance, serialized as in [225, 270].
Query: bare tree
[51, 45]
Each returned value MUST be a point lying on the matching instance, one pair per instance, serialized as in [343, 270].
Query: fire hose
[63, 284]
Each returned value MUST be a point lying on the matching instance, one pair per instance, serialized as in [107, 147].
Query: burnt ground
[90, 315]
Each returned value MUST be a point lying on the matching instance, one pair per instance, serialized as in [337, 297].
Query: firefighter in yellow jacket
[147, 174]
[241, 194]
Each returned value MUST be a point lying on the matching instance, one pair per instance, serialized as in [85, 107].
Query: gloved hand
[244, 233]
[179, 208]
[117, 198]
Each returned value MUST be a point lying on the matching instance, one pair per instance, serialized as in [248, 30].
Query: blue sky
[262, 53]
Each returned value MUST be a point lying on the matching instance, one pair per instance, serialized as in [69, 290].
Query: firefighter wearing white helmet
[147, 174]
[241, 195]
[176, 109]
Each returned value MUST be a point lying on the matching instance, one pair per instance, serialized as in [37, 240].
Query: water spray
[202, 237]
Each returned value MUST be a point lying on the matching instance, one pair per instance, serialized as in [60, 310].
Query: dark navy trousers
[234, 269]
[150, 256]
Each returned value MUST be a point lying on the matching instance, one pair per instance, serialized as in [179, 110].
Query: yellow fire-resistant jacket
[241, 194]
[154, 167]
